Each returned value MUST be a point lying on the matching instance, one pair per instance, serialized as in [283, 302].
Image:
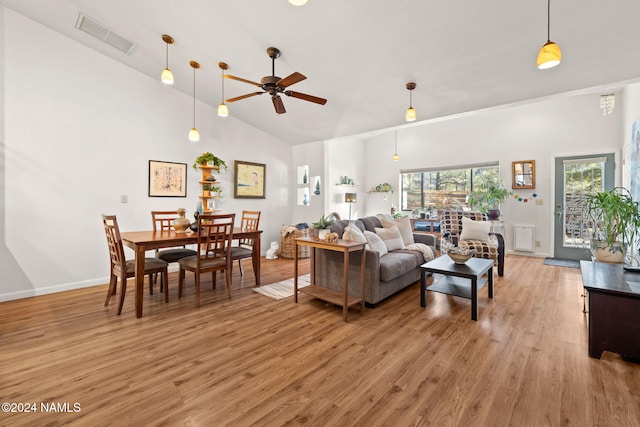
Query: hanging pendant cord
[548, 20]
[194, 97]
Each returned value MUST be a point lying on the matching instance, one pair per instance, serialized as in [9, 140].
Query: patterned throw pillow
[475, 230]
[391, 237]
[353, 233]
[376, 243]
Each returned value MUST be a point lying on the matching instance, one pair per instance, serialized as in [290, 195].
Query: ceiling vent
[99, 31]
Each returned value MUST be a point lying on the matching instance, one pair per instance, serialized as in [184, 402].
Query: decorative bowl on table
[461, 255]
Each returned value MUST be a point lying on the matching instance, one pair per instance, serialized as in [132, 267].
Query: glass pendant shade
[410, 115]
[549, 55]
[298, 2]
[223, 110]
[395, 157]
[167, 76]
[194, 135]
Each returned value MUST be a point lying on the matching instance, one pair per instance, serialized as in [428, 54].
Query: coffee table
[462, 280]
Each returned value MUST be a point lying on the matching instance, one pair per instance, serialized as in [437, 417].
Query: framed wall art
[167, 179]
[249, 180]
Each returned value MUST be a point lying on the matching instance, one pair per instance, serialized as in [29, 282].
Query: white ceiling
[359, 54]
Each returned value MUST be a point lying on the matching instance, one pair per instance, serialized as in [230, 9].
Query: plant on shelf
[615, 223]
[488, 198]
[385, 187]
[207, 157]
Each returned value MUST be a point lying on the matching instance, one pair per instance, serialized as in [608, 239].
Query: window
[441, 189]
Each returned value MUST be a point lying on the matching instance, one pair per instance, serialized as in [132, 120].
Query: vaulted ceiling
[359, 54]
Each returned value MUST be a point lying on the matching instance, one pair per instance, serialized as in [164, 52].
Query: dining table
[143, 241]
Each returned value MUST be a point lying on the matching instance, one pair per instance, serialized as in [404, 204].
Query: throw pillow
[391, 237]
[353, 233]
[403, 224]
[475, 230]
[376, 243]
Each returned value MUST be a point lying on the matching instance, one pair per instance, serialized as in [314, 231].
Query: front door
[576, 177]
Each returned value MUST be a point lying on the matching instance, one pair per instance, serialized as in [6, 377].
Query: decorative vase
[181, 224]
[305, 201]
[304, 178]
[317, 192]
[313, 233]
[493, 214]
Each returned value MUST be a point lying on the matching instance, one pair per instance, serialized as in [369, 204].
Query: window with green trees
[444, 188]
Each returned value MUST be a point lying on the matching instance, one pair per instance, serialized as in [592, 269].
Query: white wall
[79, 131]
[538, 131]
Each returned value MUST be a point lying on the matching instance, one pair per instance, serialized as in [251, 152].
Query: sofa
[384, 276]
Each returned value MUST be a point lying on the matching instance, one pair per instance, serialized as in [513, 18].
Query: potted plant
[321, 228]
[487, 200]
[615, 223]
[209, 158]
[385, 187]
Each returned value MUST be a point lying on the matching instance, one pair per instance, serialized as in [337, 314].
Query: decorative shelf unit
[208, 198]
[303, 190]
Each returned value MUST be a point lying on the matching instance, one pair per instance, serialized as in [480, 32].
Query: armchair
[451, 225]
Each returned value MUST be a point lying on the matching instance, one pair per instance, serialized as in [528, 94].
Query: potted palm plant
[488, 199]
[321, 228]
[615, 223]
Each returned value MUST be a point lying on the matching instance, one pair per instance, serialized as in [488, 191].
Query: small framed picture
[249, 180]
[167, 179]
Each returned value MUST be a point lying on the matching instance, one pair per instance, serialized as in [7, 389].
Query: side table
[462, 280]
[342, 299]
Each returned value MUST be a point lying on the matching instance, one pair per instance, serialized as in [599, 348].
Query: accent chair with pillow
[473, 230]
[393, 257]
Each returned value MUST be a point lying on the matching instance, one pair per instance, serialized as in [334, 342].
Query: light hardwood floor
[252, 360]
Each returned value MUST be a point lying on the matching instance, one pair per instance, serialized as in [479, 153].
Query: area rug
[284, 289]
[559, 262]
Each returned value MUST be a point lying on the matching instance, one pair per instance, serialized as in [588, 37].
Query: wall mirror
[523, 174]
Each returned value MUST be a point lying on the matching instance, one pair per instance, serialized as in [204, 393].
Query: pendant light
[298, 2]
[223, 110]
[410, 115]
[167, 75]
[194, 135]
[395, 152]
[549, 55]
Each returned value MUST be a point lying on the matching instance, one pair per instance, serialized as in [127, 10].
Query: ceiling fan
[274, 85]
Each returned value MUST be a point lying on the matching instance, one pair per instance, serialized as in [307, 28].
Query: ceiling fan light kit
[550, 54]
[194, 135]
[167, 76]
[410, 114]
[275, 86]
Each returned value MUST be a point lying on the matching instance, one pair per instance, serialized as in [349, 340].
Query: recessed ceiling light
[298, 2]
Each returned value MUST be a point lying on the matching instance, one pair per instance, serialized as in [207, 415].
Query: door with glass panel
[577, 177]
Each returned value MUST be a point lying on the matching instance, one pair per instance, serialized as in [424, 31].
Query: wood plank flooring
[251, 360]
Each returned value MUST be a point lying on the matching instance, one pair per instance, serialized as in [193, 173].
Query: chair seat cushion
[240, 252]
[149, 264]
[173, 255]
[191, 262]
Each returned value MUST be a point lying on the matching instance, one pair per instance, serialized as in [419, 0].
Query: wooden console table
[342, 299]
[614, 309]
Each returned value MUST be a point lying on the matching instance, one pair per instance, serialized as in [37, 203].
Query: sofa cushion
[353, 233]
[399, 262]
[391, 237]
[403, 224]
[371, 223]
[339, 226]
[375, 243]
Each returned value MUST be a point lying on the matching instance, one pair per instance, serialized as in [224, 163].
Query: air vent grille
[99, 31]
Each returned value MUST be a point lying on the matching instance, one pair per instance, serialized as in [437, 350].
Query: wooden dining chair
[215, 233]
[162, 220]
[122, 268]
[244, 249]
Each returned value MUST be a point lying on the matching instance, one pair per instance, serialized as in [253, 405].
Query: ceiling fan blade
[291, 79]
[238, 98]
[306, 97]
[277, 103]
[229, 76]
